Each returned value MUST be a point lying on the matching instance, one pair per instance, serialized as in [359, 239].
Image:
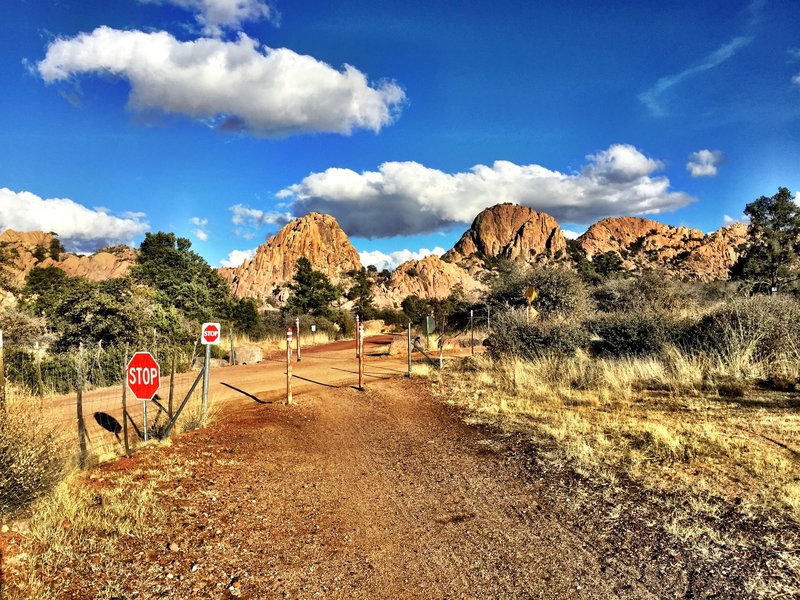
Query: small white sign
[313, 329]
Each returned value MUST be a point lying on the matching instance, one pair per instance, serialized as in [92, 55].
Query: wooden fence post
[288, 366]
[361, 357]
[125, 403]
[79, 405]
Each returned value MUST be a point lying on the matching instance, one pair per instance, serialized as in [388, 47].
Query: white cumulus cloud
[237, 257]
[233, 85]
[404, 198]
[217, 15]
[390, 261]
[81, 229]
[570, 235]
[704, 163]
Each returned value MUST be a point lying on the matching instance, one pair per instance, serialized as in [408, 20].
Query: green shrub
[513, 337]
[653, 290]
[561, 292]
[32, 459]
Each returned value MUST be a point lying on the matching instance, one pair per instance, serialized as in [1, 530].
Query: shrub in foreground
[32, 460]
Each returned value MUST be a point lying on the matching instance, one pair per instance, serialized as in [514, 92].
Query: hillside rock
[18, 251]
[510, 231]
[644, 243]
[317, 237]
[429, 278]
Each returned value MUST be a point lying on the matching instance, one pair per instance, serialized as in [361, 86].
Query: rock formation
[317, 237]
[18, 252]
[644, 243]
[510, 231]
[429, 278]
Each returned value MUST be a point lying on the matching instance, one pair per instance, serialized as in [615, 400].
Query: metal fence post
[297, 329]
[358, 351]
[79, 406]
[409, 349]
[171, 383]
[206, 382]
[361, 357]
[471, 332]
[288, 366]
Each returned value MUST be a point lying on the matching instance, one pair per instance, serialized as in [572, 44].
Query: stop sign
[143, 375]
[210, 334]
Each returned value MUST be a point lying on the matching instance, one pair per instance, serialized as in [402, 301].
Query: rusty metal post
[361, 357]
[288, 366]
[171, 383]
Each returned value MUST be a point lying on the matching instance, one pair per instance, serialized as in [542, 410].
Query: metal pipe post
[288, 366]
[358, 329]
[361, 357]
[409, 348]
[206, 381]
[297, 329]
[472, 331]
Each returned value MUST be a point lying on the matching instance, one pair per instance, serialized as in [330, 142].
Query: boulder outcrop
[317, 237]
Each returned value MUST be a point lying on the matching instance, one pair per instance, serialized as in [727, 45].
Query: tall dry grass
[675, 422]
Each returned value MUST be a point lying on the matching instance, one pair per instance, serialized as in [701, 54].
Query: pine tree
[312, 292]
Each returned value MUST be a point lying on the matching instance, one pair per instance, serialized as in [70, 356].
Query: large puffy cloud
[237, 257]
[235, 85]
[404, 198]
[390, 261]
[216, 15]
[704, 163]
[80, 228]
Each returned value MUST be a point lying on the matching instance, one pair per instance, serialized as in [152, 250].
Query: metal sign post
[313, 335]
[210, 335]
[288, 366]
[144, 378]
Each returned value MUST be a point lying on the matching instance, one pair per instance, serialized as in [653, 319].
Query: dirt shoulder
[383, 493]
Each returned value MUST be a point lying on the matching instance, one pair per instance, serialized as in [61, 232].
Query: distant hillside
[20, 252]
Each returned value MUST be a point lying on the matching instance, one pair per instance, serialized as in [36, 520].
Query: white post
[206, 381]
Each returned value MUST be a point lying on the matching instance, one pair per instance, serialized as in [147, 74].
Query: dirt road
[348, 494]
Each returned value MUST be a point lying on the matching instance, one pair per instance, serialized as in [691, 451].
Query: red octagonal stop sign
[143, 375]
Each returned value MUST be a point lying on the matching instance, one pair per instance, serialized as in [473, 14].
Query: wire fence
[83, 395]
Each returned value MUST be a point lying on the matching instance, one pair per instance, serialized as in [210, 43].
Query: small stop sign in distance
[210, 334]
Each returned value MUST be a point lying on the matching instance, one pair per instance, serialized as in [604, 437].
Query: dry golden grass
[660, 422]
[78, 523]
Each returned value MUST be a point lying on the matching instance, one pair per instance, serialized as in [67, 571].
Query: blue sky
[402, 119]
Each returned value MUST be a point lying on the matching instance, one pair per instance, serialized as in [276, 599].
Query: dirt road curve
[376, 494]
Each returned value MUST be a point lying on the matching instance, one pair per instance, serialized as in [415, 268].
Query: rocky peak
[644, 243]
[510, 231]
[429, 278]
[20, 252]
[317, 237]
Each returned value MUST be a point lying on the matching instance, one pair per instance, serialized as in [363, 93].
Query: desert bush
[653, 291]
[32, 459]
[513, 337]
[634, 334]
[762, 327]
